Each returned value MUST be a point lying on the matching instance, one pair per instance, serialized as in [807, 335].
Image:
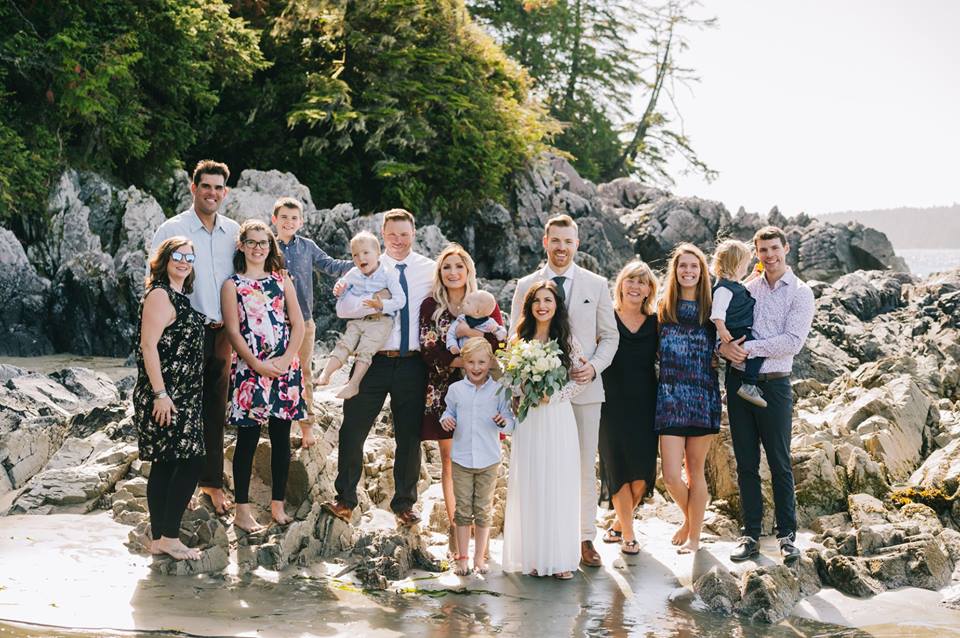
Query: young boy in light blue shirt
[476, 414]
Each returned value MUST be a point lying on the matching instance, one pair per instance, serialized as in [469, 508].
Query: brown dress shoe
[338, 509]
[589, 555]
[408, 518]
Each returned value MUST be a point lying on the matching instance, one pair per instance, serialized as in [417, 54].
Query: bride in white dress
[541, 533]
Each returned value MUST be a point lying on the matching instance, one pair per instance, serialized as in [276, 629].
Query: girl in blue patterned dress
[688, 394]
[265, 331]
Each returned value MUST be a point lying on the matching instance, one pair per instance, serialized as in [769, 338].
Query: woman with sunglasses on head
[265, 329]
[166, 398]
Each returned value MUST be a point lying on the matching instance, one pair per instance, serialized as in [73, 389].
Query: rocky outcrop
[24, 297]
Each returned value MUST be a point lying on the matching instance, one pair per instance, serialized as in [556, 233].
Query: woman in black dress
[166, 397]
[628, 443]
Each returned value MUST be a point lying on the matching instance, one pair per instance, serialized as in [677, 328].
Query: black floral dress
[181, 364]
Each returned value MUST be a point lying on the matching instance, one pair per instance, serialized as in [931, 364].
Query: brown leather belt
[395, 354]
[765, 376]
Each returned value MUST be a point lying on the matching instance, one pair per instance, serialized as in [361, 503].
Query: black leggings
[169, 488]
[248, 437]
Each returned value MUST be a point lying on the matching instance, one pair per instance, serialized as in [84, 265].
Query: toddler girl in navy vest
[732, 310]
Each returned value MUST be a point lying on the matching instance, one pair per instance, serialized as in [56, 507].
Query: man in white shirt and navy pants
[397, 370]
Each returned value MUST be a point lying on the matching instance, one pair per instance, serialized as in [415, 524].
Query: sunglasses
[252, 243]
[187, 257]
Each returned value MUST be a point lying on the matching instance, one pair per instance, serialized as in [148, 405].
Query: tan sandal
[612, 536]
[630, 548]
[563, 576]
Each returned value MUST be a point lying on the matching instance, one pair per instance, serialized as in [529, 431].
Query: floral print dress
[181, 364]
[263, 325]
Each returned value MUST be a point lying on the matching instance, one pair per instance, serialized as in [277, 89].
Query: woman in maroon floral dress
[455, 277]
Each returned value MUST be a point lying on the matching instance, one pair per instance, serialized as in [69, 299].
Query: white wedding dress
[542, 521]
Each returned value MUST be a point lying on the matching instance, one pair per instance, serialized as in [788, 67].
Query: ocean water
[923, 261]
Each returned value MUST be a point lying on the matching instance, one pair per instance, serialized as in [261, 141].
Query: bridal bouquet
[531, 370]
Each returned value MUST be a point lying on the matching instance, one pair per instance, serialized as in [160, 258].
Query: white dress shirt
[781, 321]
[419, 274]
[214, 252]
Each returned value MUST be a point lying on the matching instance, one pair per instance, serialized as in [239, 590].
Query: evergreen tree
[589, 59]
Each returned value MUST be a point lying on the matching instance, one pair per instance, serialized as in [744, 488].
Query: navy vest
[740, 310]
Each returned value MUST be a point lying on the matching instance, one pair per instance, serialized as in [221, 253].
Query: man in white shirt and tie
[592, 322]
[396, 370]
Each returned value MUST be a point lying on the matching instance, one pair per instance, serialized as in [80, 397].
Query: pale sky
[826, 105]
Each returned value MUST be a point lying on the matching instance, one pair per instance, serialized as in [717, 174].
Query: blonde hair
[667, 309]
[439, 291]
[365, 236]
[728, 257]
[476, 344]
[636, 268]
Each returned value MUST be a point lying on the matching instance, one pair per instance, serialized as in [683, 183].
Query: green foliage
[591, 60]
[386, 103]
[113, 85]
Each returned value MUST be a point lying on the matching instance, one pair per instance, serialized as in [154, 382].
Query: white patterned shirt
[781, 321]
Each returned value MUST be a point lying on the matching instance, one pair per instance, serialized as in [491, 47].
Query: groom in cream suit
[587, 299]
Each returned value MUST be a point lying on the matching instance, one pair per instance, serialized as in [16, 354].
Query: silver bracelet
[159, 394]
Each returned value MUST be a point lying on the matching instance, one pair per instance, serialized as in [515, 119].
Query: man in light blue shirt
[214, 239]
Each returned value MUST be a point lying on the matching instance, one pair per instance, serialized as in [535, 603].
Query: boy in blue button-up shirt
[477, 415]
[302, 257]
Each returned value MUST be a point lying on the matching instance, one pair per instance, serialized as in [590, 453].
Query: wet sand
[73, 571]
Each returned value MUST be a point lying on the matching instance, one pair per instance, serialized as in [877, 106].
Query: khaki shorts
[363, 338]
[473, 490]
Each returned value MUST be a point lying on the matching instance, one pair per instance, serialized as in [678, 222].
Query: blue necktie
[404, 313]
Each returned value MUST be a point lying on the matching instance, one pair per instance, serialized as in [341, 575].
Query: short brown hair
[157, 268]
[562, 221]
[398, 215]
[274, 261]
[210, 167]
[770, 232]
[287, 202]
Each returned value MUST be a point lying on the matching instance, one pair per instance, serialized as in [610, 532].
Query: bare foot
[322, 380]
[244, 520]
[177, 550]
[563, 575]
[682, 534]
[462, 568]
[306, 432]
[280, 516]
[690, 547]
[480, 565]
[155, 547]
[221, 504]
[349, 391]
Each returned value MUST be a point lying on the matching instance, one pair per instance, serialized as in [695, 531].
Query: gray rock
[719, 590]
[769, 593]
[212, 561]
[846, 575]
[24, 297]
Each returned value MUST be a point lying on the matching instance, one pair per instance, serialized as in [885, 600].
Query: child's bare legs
[481, 536]
[333, 364]
[463, 543]
[306, 433]
[353, 385]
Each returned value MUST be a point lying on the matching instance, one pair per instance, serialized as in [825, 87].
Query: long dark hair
[274, 262]
[559, 324]
[157, 268]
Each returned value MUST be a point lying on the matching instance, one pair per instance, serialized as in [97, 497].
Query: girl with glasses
[265, 326]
